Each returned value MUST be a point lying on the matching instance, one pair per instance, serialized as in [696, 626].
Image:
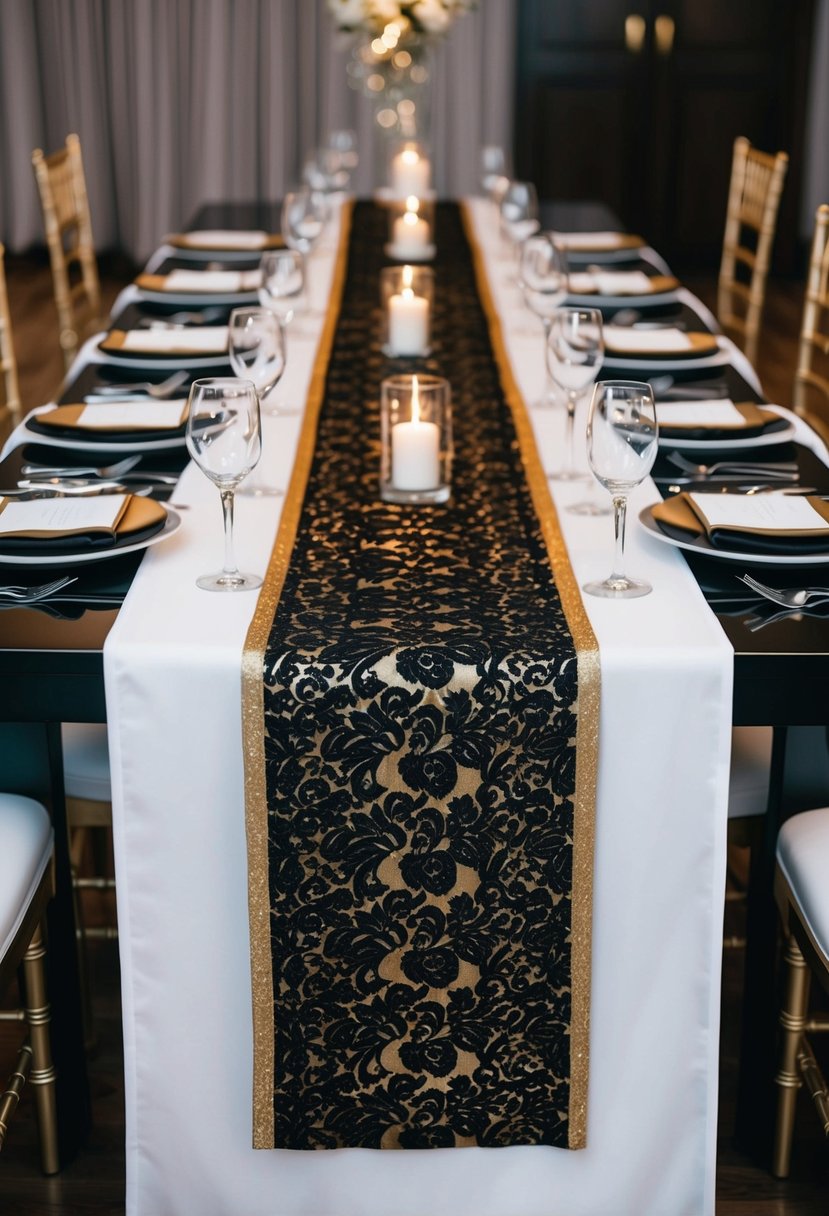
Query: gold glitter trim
[587, 728]
[253, 718]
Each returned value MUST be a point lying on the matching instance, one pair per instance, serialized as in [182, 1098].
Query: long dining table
[675, 674]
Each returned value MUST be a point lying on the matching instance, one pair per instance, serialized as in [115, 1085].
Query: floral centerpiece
[391, 41]
[418, 16]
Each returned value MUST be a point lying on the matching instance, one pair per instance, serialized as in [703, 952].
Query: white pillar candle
[410, 235]
[408, 323]
[415, 451]
[410, 173]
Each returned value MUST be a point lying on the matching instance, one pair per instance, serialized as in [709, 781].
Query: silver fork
[784, 469]
[28, 595]
[165, 388]
[796, 597]
[105, 470]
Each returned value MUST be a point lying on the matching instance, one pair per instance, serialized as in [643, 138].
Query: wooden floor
[94, 1184]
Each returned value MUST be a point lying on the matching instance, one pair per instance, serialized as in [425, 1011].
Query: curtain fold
[180, 102]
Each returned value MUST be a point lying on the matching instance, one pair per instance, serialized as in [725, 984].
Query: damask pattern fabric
[420, 708]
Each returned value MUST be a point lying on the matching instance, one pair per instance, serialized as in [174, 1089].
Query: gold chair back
[9, 392]
[811, 381]
[62, 186]
[753, 202]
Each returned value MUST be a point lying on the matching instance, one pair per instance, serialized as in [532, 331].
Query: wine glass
[575, 347]
[543, 280]
[622, 437]
[283, 282]
[518, 211]
[343, 141]
[224, 439]
[256, 346]
[494, 170]
[304, 213]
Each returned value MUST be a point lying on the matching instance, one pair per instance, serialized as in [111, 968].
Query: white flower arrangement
[415, 16]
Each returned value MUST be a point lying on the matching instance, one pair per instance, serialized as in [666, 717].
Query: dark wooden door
[638, 103]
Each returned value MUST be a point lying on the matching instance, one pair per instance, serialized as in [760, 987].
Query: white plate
[195, 298]
[161, 360]
[702, 546]
[171, 525]
[766, 440]
[655, 363]
[85, 442]
[594, 300]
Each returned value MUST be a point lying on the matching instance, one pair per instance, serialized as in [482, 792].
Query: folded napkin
[201, 340]
[718, 418]
[754, 523]
[117, 416]
[624, 340]
[225, 238]
[76, 525]
[620, 283]
[597, 242]
[208, 282]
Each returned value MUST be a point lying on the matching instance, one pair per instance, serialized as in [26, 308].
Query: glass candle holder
[411, 229]
[416, 439]
[409, 169]
[407, 297]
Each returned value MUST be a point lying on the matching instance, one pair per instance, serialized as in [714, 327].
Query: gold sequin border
[253, 716]
[589, 691]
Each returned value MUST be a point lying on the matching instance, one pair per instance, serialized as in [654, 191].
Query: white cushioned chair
[26, 886]
[801, 888]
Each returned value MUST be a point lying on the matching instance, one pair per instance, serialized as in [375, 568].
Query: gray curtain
[178, 102]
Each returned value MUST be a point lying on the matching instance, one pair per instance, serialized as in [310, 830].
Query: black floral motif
[420, 704]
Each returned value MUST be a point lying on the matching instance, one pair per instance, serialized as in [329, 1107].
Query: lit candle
[415, 450]
[410, 173]
[410, 235]
[408, 319]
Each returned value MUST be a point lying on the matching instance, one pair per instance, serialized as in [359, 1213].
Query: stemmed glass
[543, 279]
[518, 210]
[622, 437]
[224, 439]
[283, 282]
[304, 213]
[575, 347]
[494, 171]
[256, 347]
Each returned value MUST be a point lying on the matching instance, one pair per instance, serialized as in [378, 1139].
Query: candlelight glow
[408, 276]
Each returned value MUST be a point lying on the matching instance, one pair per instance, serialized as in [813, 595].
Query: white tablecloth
[172, 666]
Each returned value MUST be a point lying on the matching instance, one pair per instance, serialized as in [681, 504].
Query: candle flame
[412, 203]
[408, 274]
[407, 293]
[415, 400]
[411, 219]
[409, 157]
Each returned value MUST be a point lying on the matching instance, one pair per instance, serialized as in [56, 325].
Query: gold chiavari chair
[811, 381]
[802, 894]
[26, 886]
[9, 392]
[753, 202]
[62, 186]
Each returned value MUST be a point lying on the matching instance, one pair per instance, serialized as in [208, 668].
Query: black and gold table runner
[421, 690]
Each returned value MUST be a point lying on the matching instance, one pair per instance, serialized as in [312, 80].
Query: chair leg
[792, 1022]
[11, 1095]
[42, 1074]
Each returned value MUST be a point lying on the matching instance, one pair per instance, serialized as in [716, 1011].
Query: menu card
[595, 241]
[45, 517]
[206, 339]
[781, 514]
[146, 415]
[221, 238]
[611, 283]
[622, 338]
[212, 280]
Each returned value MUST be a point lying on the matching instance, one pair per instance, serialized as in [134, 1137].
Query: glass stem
[547, 323]
[620, 504]
[230, 570]
[569, 448]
